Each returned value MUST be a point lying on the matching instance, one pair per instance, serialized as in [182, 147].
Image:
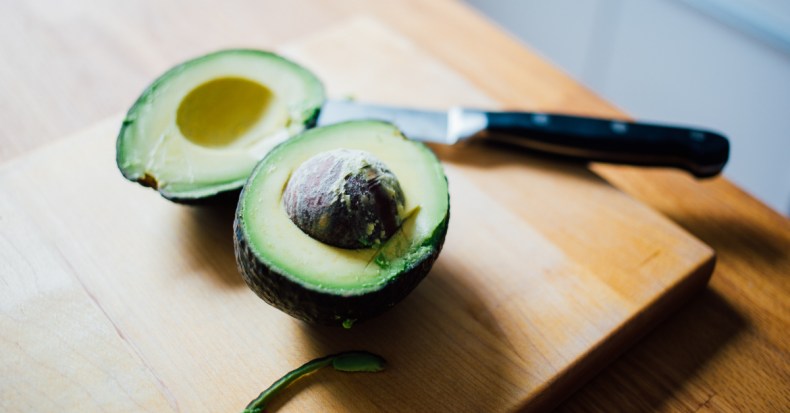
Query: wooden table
[64, 67]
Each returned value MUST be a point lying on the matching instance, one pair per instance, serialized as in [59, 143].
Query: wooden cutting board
[114, 299]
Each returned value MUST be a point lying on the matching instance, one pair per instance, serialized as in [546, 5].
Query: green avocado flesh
[201, 128]
[321, 283]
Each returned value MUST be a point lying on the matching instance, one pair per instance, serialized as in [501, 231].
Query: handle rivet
[619, 127]
[540, 119]
[697, 136]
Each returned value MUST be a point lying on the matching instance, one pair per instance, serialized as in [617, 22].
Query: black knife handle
[702, 153]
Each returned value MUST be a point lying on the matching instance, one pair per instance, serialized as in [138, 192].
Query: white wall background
[687, 62]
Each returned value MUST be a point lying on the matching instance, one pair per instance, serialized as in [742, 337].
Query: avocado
[197, 132]
[354, 178]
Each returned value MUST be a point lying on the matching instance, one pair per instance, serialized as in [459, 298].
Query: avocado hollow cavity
[346, 198]
[216, 113]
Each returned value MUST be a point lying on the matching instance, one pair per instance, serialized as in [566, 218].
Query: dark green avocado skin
[227, 198]
[321, 307]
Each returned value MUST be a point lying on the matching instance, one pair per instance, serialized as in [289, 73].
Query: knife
[702, 153]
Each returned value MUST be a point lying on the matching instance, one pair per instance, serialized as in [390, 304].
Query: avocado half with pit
[199, 130]
[340, 223]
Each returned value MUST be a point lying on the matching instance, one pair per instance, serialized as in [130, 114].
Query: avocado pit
[346, 198]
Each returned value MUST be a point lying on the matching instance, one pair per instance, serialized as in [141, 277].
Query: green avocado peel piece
[346, 361]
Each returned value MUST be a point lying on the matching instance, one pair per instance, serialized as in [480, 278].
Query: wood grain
[66, 65]
[518, 296]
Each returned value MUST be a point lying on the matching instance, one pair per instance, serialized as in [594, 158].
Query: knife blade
[702, 153]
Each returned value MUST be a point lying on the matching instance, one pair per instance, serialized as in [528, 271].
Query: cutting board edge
[605, 352]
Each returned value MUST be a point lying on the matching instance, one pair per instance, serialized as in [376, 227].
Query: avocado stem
[346, 361]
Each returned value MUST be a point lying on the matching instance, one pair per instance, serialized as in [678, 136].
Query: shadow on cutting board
[208, 236]
[444, 349]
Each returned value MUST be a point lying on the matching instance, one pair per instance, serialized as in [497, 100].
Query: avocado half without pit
[199, 130]
[340, 223]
